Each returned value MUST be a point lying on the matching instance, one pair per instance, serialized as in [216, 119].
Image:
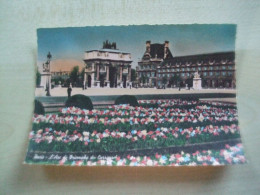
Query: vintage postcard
[148, 95]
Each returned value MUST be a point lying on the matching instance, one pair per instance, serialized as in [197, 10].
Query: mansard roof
[218, 56]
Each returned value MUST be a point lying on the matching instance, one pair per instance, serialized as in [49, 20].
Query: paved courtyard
[123, 91]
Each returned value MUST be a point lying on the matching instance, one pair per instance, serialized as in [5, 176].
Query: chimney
[166, 48]
[148, 46]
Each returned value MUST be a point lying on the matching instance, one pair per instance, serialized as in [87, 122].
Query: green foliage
[123, 144]
[172, 80]
[133, 75]
[38, 107]
[82, 73]
[79, 101]
[126, 127]
[56, 80]
[74, 74]
[164, 80]
[144, 79]
[127, 99]
[38, 78]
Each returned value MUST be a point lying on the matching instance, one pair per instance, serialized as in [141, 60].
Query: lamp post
[48, 69]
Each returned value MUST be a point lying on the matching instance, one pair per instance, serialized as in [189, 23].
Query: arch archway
[89, 81]
[113, 76]
[102, 80]
[124, 81]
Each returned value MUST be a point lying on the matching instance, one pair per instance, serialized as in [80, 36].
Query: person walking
[69, 91]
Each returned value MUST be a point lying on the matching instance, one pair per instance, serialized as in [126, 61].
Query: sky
[71, 43]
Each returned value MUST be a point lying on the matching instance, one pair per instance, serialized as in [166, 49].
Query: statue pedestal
[46, 80]
[197, 83]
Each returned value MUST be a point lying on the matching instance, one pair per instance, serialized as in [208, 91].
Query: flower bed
[123, 128]
[173, 103]
[228, 155]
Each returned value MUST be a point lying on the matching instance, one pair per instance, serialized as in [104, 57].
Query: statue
[197, 81]
[46, 75]
[196, 75]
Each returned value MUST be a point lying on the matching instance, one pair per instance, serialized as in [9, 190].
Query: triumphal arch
[107, 67]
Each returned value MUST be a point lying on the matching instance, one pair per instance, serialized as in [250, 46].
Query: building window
[178, 70]
[230, 73]
[223, 67]
[204, 73]
[188, 74]
[199, 68]
[223, 73]
[230, 67]
[205, 68]
[182, 74]
[217, 73]
[210, 73]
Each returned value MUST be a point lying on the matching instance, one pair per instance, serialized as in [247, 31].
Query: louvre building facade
[159, 68]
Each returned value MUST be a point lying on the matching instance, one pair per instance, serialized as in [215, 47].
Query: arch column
[129, 73]
[97, 78]
[107, 76]
[121, 73]
[85, 79]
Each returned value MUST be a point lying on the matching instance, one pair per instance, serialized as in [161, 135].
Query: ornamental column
[97, 80]
[85, 79]
[121, 73]
[97, 72]
[108, 82]
[129, 73]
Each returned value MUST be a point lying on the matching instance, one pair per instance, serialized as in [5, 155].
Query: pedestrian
[69, 91]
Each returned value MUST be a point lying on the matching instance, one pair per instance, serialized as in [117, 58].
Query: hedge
[79, 101]
[127, 99]
[38, 107]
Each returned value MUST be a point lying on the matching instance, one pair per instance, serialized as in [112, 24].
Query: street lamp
[48, 65]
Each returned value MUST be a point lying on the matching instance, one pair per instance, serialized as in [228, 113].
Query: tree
[171, 81]
[82, 73]
[133, 75]
[177, 80]
[38, 78]
[143, 79]
[164, 80]
[189, 81]
[58, 80]
[74, 74]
